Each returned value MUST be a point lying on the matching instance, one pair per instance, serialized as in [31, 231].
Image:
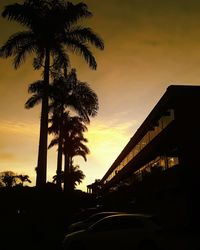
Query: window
[172, 161]
[167, 118]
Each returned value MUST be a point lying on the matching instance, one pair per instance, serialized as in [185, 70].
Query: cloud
[20, 128]
[19, 141]
[106, 137]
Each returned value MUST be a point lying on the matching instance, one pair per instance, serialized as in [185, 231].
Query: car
[118, 231]
[83, 224]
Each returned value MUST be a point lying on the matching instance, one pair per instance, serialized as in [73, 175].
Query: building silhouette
[158, 170]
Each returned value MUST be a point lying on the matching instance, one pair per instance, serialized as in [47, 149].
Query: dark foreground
[32, 219]
[37, 219]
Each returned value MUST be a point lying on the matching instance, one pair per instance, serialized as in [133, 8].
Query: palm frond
[32, 101]
[76, 175]
[15, 42]
[85, 34]
[28, 14]
[80, 153]
[22, 53]
[55, 121]
[53, 143]
[36, 87]
[89, 99]
[18, 12]
[84, 148]
[73, 13]
[83, 50]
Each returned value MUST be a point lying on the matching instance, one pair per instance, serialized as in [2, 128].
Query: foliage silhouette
[51, 27]
[72, 144]
[10, 179]
[75, 176]
[70, 94]
[67, 94]
[23, 178]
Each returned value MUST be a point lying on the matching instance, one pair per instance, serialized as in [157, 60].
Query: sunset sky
[149, 45]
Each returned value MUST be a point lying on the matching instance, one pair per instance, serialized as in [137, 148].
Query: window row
[159, 164]
[153, 131]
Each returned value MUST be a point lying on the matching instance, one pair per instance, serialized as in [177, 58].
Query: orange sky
[149, 44]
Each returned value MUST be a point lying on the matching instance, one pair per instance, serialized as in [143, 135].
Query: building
[159, 168]
[95, 187]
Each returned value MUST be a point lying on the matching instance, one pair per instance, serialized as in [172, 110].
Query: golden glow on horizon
[106, 140]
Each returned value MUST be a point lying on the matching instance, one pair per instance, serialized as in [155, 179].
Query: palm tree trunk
[59, 164]
[66, 173]
[59, 156]
[43, 140]
[71, 186]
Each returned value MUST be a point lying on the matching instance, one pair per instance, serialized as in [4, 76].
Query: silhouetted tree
[72, 144]
[67, 94]
[70, 94]
[75, 175]
[51, 27]
[23, 178]
[8, 178]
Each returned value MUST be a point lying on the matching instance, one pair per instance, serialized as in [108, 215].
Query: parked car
[119, 231]
[83, 224]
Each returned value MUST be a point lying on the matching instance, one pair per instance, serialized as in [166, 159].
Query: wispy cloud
[15, 127]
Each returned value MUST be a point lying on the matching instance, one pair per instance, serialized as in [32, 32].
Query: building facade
[158, 170]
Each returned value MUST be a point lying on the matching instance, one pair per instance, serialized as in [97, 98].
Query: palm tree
[51, 27]
[76, 176]
[66, 94]
[72, 145]
[70, 93]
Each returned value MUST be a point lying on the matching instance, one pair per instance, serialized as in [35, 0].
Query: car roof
[106, 212]
[124, 215]
[135, 215]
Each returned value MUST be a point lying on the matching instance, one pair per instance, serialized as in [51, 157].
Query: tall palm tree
[51, 27]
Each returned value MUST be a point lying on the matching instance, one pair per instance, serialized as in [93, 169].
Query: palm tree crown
[50, 25]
